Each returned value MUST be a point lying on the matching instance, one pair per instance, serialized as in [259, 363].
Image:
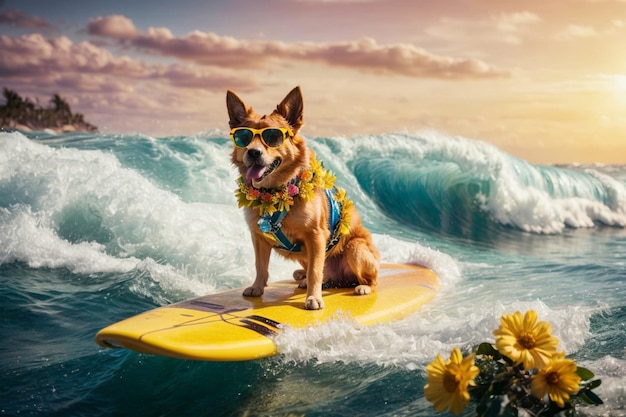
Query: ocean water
[96, 227]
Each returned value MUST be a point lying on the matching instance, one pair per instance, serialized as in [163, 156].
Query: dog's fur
[353, 261]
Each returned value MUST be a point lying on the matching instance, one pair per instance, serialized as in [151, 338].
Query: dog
[292, 206]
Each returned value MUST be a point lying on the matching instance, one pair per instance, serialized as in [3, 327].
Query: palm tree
[61, 108]
[13, 100]
[13, 106]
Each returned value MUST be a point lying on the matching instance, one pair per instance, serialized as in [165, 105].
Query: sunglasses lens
[243, 137]
[273, 137]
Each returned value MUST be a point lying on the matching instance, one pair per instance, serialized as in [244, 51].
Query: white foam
[24, 238]
[535, 210]
[415, 341]
[44, 184]
[394, 250]
[174, 284]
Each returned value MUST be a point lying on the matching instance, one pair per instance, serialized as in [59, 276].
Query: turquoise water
[95, 228]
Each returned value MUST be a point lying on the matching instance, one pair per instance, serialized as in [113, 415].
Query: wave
[83, 210]
[462, 187]
[107, 203]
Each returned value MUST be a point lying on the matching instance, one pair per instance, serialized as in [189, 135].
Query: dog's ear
[292, 109]
[237, 109]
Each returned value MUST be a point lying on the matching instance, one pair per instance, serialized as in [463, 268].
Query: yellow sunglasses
[272, 137]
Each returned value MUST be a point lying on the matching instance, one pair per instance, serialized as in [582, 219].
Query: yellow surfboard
[230, 327]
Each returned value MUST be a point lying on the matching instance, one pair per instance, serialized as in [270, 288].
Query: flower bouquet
[522, 371]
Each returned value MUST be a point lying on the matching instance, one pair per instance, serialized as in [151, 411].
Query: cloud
[190, 77]
[35, 56]
[576, 32]
[514, 22]
[22, 20]
[509, 28]
[365, 55]
[114, 26]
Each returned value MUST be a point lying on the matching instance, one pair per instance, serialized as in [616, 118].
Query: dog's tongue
[255, 172]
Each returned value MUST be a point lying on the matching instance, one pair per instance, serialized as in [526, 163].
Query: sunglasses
[272, 137]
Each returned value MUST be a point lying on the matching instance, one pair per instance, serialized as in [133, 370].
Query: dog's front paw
[314, 303]
[253, 292]
[363, 290]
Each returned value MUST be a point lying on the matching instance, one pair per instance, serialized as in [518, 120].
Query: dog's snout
[255, 153]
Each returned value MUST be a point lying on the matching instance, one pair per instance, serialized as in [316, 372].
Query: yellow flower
[525, 341]
[558, 381]
[344, 223]
[307, 191]
[448, 381]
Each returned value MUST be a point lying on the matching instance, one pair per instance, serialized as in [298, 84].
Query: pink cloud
[405, 59]
[90, 83]
[190, 77]
[34, 55]
[114, 26]
[363, 55]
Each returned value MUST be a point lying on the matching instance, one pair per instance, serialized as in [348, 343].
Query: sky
[544, 80]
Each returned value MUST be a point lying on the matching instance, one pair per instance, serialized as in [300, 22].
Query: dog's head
[262, 162]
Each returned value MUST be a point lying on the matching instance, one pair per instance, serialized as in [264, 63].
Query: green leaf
[593, 384]
[591, 398]
[487, 349]
[584, 373]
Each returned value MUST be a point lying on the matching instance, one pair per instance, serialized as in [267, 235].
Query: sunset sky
[544, 80]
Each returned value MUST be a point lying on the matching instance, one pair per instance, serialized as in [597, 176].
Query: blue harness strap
[334, 218]
[284, 243]
[272, 225]
[334, 214]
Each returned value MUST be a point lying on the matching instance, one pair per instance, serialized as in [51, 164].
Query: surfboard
[230, 327]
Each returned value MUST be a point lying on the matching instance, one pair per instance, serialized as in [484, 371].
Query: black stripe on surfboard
[259, 328]
[264, 320]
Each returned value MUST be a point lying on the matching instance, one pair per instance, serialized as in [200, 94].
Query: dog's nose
[254, 153]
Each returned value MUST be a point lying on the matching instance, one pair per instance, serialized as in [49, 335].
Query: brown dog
[292, 206]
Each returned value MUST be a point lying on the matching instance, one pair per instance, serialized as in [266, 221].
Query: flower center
[450, 382]
[552, 378]
[526, 340]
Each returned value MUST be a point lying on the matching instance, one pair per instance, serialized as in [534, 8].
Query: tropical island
[24, 114]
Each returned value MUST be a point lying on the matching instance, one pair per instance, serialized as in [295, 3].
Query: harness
[271, 225]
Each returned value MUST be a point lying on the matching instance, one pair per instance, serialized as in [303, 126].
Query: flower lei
[269, 201]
